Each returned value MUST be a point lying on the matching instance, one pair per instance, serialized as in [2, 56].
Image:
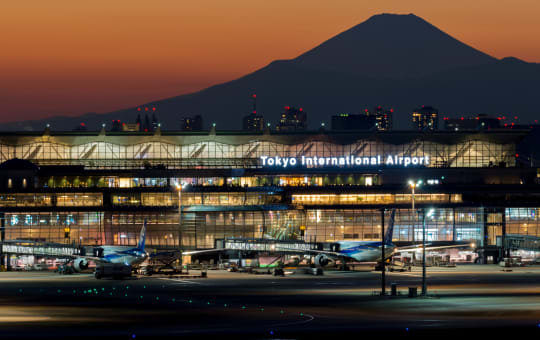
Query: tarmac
[469, 298]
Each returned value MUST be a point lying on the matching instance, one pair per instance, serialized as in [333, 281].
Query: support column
[454, 232]
[485, 236]
[2, 237]
[383, 269]
[503, 236]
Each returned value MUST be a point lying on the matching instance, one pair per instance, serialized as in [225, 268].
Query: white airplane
[371, 251]
[127, 256]
[359, 251]
[348, 251]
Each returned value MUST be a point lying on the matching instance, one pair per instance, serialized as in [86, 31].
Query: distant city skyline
[65, 58]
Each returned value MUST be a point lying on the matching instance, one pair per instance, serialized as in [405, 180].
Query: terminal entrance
[494, 229]
[494, 235]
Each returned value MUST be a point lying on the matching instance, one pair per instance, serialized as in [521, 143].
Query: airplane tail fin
[142, 237]
[390, 230]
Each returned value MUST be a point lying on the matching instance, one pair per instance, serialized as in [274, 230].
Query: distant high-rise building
[155, 122]
[425, 118]
[254, 121]
[194, 123]
[147, 125]
[382, 116]
[292, 119]
[80, 127]
[345, 121]
[138, 121]
[116, 125]
[131, 127]
[480, 122]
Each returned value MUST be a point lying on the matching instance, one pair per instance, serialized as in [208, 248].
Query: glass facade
[217, 152]
[364, 199]
[446, 224]
[201, 229]
[522, 221]
[93, 228]
[93, 191]
[84, 227]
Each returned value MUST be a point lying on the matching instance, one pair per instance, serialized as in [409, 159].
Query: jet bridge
[271, 245]
[22, 247]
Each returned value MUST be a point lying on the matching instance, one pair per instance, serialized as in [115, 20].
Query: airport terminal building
[95, 188]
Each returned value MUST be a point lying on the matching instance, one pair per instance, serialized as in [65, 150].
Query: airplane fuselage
[126, 255]
[365, 251]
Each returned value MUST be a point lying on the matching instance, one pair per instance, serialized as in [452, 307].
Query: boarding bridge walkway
[521, 242]
[28, 247]
[271, 245]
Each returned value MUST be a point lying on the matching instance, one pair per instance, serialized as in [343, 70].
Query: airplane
[359, 251]
[349, 251]
[106, 254]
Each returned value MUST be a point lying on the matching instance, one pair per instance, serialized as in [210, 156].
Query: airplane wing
[88, 258]
[419, 247]
[275, 250]
[205, 251]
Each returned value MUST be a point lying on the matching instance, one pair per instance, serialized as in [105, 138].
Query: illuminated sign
[344, 161]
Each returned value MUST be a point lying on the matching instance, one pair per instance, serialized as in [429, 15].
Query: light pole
[179, 188]
[413, 186]
[429, 214]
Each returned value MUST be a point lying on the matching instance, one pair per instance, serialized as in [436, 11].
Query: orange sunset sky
[70, 57]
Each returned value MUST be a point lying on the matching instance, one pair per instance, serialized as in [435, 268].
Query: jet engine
[80, 264]
[322, 260]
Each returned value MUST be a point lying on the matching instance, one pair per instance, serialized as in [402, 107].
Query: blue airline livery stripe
[362, 247]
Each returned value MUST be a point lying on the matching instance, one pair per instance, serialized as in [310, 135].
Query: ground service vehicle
[113, 270]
